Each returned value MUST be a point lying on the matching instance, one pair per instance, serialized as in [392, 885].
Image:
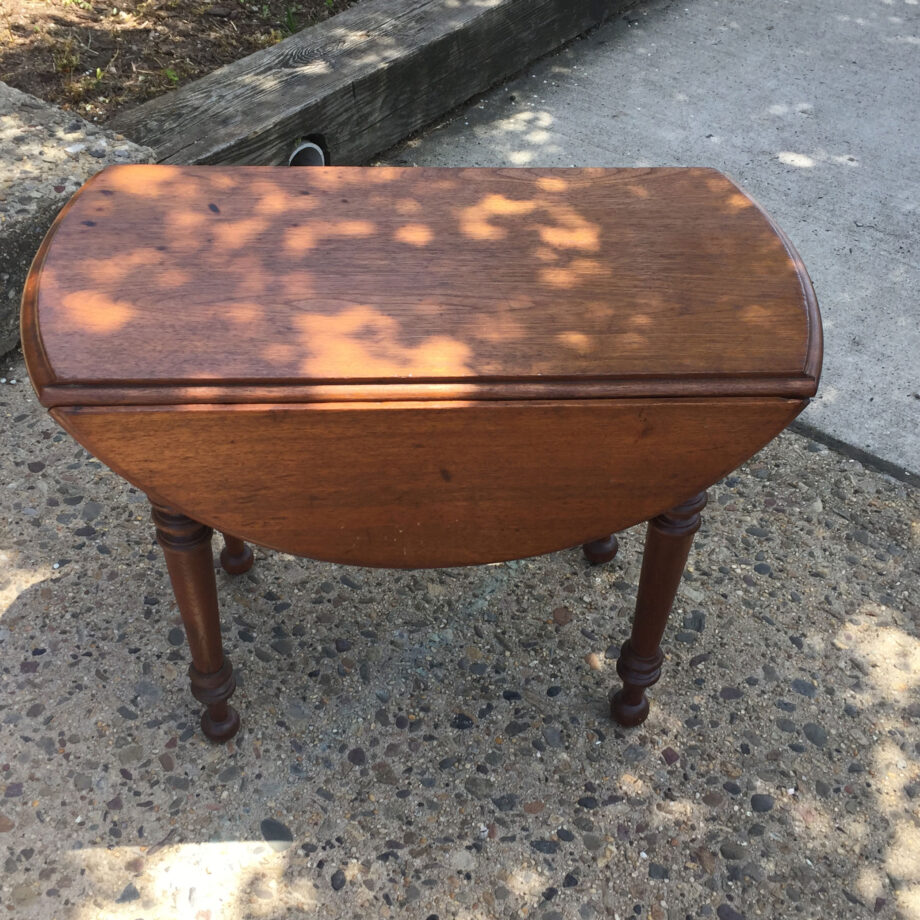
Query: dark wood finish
[600, 551]
[467, 279]
[186, 544]
[407, 485]
[415, 392]
[236, 557]
[412, 368]
[365, 79]
[667, 545]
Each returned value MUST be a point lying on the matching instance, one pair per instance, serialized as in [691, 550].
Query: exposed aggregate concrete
[436, 744]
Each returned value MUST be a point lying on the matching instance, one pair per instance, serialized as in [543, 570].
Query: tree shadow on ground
[441, 737]
[98, 59]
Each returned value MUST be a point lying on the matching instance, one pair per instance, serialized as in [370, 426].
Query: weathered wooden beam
[364, 79]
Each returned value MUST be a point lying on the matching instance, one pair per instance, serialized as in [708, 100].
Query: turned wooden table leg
[236, 557]
[600, 551]
[667, 545]
[187, 547]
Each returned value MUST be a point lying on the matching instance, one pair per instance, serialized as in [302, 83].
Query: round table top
[174, 284]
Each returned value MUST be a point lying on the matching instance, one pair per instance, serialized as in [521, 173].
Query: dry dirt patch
[99, 58]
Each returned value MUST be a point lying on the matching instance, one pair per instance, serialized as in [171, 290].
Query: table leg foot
[186, 546]
[667, 545]
[629, 705]
[220, 721]
[236, 557]
[600, 551]
[629, 713]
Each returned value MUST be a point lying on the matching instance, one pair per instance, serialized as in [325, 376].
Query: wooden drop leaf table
[419, 367]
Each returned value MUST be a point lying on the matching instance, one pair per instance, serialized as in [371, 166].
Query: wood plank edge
[207, 147]
[253, 393]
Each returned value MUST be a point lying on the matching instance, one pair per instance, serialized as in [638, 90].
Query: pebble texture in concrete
[435, 744]
[813, 107]
[46, 154]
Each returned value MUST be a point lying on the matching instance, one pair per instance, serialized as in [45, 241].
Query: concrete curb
[866, 458]
[361, 81]
[46, 154]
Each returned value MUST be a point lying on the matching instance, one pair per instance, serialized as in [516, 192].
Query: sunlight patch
[795, 159]
[17, 580]
[223, 880]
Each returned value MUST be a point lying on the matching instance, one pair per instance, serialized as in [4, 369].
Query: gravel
[473, 768]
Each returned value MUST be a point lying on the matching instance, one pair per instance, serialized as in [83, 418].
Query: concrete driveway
[812, 107]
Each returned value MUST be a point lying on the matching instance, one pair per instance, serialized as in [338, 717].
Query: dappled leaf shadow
[339, 275]
[352, 682]
[98, 59]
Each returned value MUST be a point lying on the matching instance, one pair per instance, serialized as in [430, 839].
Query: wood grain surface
[183, 284]
[428, 484]
[364, 79]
